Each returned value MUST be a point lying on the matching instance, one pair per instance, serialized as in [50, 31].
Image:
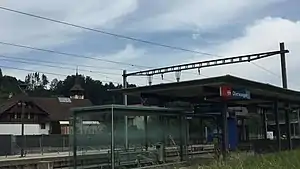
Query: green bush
[283, 160]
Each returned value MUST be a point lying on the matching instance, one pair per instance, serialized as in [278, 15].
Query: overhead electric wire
[70, 54]
[267, 70]
[51, 73]
[54, 66]
[59, 63]
[30, 70]
[47, 73]
[62, 67]
[67, 54]
[106, 32]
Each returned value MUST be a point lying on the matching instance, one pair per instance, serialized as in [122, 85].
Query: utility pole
[283, 65]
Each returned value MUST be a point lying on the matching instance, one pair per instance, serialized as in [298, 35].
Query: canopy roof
[209, 90]
[132, 110]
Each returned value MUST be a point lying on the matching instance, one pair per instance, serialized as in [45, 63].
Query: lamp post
[22, 103]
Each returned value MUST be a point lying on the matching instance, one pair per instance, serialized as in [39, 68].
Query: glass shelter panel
[118, 136]
[91, 138]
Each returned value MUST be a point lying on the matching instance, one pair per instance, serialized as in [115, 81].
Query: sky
[221, 28]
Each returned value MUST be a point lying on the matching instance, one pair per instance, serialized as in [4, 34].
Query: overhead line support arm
[209, 63]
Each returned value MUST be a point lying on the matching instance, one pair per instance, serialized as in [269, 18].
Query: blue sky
[226, 28]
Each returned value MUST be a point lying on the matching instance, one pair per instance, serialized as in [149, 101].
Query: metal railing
[34, 144]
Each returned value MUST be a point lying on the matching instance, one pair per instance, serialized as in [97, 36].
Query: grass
[283, 160]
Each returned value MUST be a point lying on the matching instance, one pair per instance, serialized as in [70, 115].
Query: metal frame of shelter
[156, 90]
[123, 110]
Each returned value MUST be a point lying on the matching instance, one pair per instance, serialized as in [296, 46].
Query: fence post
[41, 144]
[63, 142]
[25, 145]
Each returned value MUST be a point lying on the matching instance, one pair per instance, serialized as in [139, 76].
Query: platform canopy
[215, 89]
[130, 110]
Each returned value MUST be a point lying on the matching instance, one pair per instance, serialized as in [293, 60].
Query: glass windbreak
[148, 139]
[90, 138]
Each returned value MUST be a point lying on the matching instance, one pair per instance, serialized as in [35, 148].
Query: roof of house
[60, 110]
[76, 87]
[55, 107]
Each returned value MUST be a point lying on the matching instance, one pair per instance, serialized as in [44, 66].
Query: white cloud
[31, 31]
[264, 35]
[20, 29]
[127, 54]
[201, 14]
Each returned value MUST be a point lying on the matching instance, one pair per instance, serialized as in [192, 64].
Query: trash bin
[160, 151]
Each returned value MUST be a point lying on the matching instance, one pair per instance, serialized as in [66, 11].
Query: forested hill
[40, 86]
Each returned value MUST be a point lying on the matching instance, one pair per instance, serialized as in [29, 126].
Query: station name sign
[234, 93]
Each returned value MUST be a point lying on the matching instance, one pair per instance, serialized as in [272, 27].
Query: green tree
[36, 81]
[45, 81]
[1, 75]
[8, 85]
[53, 84]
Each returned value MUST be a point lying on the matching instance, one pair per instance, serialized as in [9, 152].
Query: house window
[43, 126]
[18, 115]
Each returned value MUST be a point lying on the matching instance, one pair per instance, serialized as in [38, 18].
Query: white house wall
[29, 129]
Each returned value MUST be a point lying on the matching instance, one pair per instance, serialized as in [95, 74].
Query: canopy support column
[224, 130]
[277, 129]
[288, 127]
[264, 120]
[146, 132]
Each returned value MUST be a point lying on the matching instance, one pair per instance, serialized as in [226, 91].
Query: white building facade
[29, 129]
